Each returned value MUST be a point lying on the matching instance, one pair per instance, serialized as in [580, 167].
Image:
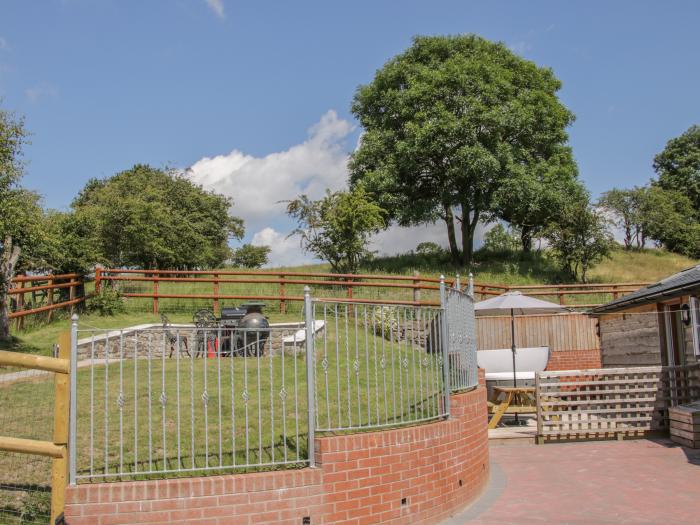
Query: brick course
[574, 359]
[413, 475]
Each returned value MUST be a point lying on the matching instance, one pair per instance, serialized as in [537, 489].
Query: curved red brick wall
[415, 475]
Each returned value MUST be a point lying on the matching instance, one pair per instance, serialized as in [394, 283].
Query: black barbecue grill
[244, 330]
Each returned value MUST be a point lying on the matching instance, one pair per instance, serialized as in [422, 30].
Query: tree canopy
[678, 165]
[150, 218]
[249, 256]
[451, 121]
[338, 227]
[579, 238]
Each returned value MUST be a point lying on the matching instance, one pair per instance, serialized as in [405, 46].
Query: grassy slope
[514, 268]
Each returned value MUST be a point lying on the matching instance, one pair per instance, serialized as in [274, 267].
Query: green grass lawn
[256, 407]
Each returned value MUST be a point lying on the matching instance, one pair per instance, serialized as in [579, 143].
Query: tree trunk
[468, 226]
[526, 239]
[450, 221]
[8, 261]
[628, 237]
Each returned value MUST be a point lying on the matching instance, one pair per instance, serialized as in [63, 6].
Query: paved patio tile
[629, 482]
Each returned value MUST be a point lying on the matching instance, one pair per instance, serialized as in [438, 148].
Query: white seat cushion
[504, 376]
[300, 335]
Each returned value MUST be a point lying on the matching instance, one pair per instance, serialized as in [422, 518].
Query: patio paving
[626, 482]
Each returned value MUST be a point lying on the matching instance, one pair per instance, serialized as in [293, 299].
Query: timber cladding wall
[631, 338]
[572, 338]
[415, 475]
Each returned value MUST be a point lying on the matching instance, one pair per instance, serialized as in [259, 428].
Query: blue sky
[104, 84]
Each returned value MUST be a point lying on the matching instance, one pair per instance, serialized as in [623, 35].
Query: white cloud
[258, 184]
[41, 92]
[284, 250]
[217, 6]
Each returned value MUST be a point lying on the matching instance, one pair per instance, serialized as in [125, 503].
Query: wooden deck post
[59, 467]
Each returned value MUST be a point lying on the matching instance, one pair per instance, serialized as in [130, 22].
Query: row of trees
[667, 210]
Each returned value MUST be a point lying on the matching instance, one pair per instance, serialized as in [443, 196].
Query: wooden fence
[571, 295]
[57, 449]
[572, 331]
[406, 289]
[286, 287]
[46, 293]
[609, 402]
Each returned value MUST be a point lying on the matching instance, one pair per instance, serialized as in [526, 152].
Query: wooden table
[511, 400]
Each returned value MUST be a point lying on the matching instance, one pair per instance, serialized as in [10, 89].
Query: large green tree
[151, 218]
[447, 123]
[21, 232]
[678, 165]
[337, 228]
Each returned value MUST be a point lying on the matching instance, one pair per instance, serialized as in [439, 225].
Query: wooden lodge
[656, 325]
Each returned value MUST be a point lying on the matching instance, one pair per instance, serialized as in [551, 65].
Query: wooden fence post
[155, 294]
[71, 294]
[560, 293]
[416, 282]
[59, 466]
[49, 296]
[98, 279]
[216, 294]
[351, 310]
[283, 302]
[20, 306]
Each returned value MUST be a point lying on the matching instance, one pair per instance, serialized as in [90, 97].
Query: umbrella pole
[512, 348]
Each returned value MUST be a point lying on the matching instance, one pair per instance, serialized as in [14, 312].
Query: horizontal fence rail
[34, 294]
[611, 401]
[581, 296]
[378, 365]
[286, 288]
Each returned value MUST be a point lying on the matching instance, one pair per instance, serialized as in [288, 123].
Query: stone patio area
[626, 482]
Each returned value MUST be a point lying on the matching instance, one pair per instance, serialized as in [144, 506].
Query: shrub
[108, 302]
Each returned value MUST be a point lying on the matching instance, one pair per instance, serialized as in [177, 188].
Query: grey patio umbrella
[515, 303]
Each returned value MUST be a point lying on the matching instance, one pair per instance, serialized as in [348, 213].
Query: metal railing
[161, 401]
[378, 365]
[183, 400]
[461, 327]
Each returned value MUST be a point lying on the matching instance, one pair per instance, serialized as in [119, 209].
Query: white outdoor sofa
[498, 364]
